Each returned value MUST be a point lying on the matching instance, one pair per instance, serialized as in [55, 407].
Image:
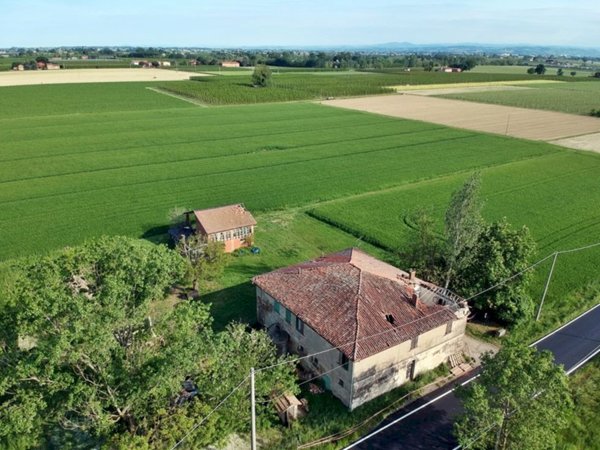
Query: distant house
[165, 63]
[373, 326]
[232, 224]
[450, 69]
[18, 67]
[230, 64]
[52, 66]
[41, 65]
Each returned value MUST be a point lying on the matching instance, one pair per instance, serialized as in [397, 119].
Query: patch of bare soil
[64, 76]
[585, 142]
[505, 120]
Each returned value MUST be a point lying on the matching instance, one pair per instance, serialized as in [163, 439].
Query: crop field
[498, 119]
[556, 195]
[68, 176]
[523, 69]
[285, 87]
[291, 86]
[574, 98]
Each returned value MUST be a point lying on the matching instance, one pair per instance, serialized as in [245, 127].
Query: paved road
[427, 423]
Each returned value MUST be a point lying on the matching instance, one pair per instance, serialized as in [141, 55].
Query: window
[288, 316]
[315, 361]
[413, 342]
[341, 382]
[277, 306]
[390, 318]
[299, 325]
[449, 327]
[343, 360]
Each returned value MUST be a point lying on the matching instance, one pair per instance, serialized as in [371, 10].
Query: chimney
[414, 300]
[412, 274]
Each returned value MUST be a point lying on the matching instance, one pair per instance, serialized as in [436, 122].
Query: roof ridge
[357, 298]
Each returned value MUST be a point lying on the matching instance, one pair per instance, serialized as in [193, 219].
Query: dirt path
[63, 76]
[505, 120]
[462, 90]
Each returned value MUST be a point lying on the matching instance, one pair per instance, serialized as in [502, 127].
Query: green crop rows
[556, 195]
[289, 86]
[575, 98]
[65, 177]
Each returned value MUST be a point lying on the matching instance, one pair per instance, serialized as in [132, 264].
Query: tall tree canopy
[500, 253]
[471, 256]
[90, 350]
[463, 224]
[520, 401]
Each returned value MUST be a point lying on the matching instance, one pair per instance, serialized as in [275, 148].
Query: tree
[424, 251]
[261, 76]
[540, 69]
[521, 400]
[573, 73]
[560, 72]
[531, 70]
[90, 353]
[463, 224]
[499, 253]
[205, 260]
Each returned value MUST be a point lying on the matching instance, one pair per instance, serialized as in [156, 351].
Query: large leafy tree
[261, 76]
[500, 253]
[89, 349]
[521, 400]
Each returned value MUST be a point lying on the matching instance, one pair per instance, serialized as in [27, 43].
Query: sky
[240, 23]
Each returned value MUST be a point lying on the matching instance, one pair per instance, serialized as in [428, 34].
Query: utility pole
[546, 287]
[253, 406]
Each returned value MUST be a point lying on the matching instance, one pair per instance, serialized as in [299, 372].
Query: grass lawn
[284, 237]
[575, 98]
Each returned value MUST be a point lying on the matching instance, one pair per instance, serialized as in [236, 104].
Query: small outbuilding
[232, 224]
[230, 64]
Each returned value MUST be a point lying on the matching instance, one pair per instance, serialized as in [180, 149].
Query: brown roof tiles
[346, 296]
[224, 218]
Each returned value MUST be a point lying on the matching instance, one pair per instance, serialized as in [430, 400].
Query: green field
[575, 98]
[66, 177]
[555, 195]
[523, 69]
[78, 161]
[290, 86]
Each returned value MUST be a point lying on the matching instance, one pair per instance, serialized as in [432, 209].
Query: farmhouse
[450, 69]
[233, 225]
[373, 325]
[230, 64]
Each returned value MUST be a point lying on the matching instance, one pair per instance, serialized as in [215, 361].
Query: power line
[195, 427]
[501, 283]
[355, 341]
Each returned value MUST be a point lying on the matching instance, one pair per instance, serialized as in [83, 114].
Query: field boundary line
[178, 97]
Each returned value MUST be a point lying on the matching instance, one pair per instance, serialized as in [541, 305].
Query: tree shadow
[234, 303]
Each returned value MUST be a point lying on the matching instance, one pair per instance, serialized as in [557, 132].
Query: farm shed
[232, 224]
[230, 64]
[376, 326]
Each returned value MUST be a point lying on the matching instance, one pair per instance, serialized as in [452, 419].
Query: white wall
[311, 342]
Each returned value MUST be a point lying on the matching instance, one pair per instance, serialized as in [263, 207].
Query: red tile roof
[346, 296]
[224, 218]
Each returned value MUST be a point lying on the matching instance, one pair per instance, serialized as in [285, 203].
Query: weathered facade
[232, 224]
[373, 326]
